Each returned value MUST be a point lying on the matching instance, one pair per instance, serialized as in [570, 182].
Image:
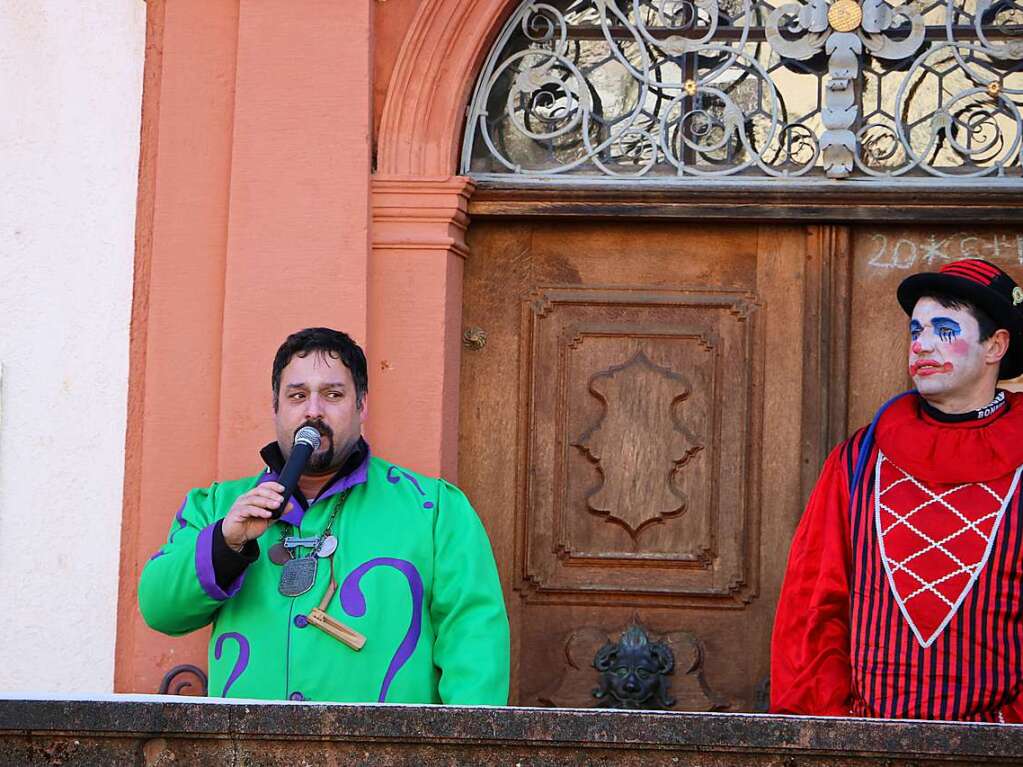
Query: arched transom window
[676, 90]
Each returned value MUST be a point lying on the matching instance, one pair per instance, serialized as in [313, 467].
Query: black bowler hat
[984, 285]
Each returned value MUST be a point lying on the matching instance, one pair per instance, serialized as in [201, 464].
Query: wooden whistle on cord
[336, 629]
[318, 617]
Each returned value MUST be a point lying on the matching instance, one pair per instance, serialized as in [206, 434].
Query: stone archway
[418, 229]
[438, 63]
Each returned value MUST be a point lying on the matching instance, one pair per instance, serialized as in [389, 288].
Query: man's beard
[320, 462]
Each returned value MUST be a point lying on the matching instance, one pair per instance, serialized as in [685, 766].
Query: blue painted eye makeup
[946, 329]
[915, 329]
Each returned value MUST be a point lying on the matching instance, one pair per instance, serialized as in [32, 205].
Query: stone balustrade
[159, 731]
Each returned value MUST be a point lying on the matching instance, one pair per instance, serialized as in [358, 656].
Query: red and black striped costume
[908, 602]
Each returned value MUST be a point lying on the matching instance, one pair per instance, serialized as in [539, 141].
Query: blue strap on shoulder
[868, 441]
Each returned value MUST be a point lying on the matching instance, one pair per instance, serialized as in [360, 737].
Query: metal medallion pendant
[298, 576]
[278, 554]
[328, 547]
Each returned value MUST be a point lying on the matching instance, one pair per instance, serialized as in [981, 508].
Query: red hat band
[977, 271]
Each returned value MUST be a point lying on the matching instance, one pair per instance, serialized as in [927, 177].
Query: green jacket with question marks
[415, 574]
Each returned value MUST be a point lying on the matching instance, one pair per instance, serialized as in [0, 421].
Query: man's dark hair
[332, 343]
[986, 325]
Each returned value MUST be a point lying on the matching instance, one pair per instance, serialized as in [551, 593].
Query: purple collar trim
[295, 512]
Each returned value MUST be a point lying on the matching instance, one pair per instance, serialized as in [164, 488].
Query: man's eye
[914, 334]
[945, 334]
[296, 396]
[335, 394]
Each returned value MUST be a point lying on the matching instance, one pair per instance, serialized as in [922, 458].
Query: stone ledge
[166, 729]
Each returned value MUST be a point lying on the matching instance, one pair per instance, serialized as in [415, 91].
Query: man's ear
[364, 408]
[997, 346]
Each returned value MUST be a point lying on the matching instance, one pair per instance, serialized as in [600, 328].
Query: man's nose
[925, 341]
[313, 406]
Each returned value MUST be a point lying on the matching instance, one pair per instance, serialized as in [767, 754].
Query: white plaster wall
[70, 102]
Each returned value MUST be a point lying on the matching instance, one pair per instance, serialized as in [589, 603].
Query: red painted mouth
[929, 368]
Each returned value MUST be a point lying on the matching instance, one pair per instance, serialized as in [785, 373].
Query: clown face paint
[946, 357]
[946, 328]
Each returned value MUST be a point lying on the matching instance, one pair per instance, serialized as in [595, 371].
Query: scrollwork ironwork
[676, 90]
[172, 685]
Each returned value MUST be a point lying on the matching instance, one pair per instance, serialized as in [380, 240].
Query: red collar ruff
[949, 453]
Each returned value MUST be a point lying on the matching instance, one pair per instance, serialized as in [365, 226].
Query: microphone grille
[309, 436]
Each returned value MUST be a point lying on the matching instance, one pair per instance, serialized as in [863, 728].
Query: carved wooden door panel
[641, 404]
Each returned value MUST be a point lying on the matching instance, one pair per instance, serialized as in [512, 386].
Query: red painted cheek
[917, 347]
[959, 347]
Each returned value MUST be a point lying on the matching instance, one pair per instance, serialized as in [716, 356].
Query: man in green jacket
[375, 584]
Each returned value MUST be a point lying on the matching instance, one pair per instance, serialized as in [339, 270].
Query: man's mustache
[320, 426]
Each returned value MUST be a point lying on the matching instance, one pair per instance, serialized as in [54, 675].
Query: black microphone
[306, 441]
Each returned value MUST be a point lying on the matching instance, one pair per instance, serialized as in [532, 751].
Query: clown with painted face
[903, 596]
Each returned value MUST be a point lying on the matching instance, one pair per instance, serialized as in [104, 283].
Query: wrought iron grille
[680, 89]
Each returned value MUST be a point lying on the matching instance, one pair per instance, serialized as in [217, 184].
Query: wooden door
[639, 430]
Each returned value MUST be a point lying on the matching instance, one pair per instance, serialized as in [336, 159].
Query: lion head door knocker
[633, 672]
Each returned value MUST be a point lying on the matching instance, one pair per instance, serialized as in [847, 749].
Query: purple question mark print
[239, 665]
[180, 519]
[393, 471]
[182, 524]
[353, 602]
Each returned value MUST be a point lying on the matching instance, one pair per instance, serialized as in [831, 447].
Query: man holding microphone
[346, 579]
